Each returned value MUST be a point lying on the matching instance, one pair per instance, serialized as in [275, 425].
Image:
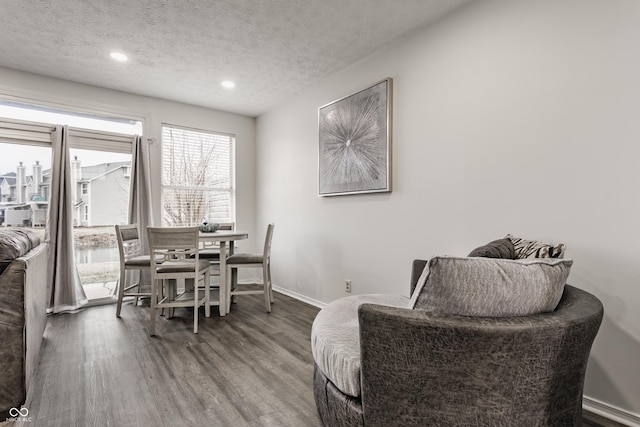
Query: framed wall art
[355, 142]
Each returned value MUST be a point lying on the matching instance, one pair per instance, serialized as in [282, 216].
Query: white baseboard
[611, 412]
[299, 297]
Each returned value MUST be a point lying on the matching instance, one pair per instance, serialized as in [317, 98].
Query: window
[197, 176]
[85, 188]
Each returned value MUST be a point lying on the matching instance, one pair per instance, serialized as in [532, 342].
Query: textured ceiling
[182, 49]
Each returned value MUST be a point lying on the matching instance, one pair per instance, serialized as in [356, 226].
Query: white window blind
[84, 139]
[23, 132]
[197, 176]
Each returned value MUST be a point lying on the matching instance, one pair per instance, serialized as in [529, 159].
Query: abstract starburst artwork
[355, 141]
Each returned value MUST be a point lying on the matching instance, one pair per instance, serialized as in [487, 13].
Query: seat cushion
[242, 258]
[182, 266]
[139, 261]
[142, 260]
[335, 339]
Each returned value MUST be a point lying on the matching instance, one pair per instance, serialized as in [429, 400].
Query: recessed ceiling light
[118, 56]
[228, 84]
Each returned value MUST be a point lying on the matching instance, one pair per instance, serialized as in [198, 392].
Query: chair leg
[265, 286]
[121, 284]
[138, 288]
[223, 292]
[195, 307]
[207, 289]
[270, 284]
[172, 292]
[230, 285]
[234, 284]
[154, 300]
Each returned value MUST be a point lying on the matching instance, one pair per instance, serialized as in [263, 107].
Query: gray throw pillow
[501, 248]
[490, 287]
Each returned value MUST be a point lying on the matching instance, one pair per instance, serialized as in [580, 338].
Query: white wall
[154, 112]
[514, 117]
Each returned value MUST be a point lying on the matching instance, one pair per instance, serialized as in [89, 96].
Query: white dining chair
[252, 260]
[211, 252]
[176, 251]
[131, 259]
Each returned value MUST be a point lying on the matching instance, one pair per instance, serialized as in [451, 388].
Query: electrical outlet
[347, 285]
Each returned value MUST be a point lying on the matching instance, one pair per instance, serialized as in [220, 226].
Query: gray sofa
[23, 297]
[380, 362]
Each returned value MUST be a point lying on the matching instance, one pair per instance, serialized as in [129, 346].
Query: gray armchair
[426, 370]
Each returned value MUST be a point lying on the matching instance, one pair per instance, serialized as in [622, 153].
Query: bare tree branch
[190, 168]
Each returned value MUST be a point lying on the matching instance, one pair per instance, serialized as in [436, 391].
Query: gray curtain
[140, 201]
[64, 287]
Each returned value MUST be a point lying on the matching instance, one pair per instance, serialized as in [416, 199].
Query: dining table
[226, 239]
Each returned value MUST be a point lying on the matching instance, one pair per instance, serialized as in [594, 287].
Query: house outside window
[197, 176]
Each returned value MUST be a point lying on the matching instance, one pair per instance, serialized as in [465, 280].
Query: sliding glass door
[100, 199]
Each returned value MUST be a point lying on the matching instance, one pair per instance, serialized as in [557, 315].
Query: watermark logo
[19, 415]
[22, 412]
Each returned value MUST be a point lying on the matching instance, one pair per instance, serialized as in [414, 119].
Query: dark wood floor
[248, 368]
[593, 420]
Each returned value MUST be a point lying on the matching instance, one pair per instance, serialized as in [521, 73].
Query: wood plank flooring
[248, 368]
[590, 419]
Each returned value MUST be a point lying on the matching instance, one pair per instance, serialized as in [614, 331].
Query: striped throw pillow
[534, 249]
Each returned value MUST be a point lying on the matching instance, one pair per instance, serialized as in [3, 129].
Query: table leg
[231, 279]
[223, 278]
